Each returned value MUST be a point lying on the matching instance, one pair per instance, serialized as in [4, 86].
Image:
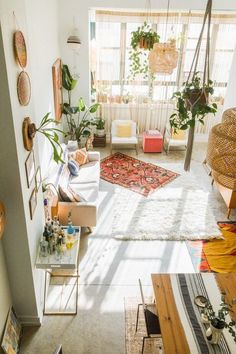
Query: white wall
[38, 22]
[79, 10]
[5, 295]
[43, 42]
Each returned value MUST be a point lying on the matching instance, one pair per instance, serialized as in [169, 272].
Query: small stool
[152, 141]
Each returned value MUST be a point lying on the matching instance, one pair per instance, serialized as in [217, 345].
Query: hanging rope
[206, 77]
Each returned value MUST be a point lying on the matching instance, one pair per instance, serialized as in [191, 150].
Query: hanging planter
[163, 58]
[142, 41]
[192, 101]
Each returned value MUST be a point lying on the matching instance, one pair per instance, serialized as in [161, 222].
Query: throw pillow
[123, 130]
[77, 196]
[80, 156]
[73, 167]
[65, 194]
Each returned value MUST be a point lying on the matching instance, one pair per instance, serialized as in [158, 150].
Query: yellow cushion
[123, 130]
[179, 135]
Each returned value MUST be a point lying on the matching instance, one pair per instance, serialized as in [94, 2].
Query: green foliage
[100, 123]
[79, 118]
[142, 41]
[51, 133]
[189, 111]
[221, 314]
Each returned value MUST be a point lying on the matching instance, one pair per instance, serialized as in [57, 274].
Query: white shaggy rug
[181, 210]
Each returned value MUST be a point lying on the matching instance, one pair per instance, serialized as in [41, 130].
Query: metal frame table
[67, 261]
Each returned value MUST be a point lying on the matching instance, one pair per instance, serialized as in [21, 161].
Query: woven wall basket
[163, 58]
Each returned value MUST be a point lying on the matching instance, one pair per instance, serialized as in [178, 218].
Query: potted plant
[218, 320]
[79, 117]
[100, 126]
[192, 106]
[49, 131]
[142, 41]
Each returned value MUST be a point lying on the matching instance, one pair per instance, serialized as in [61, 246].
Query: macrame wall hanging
[163, 58]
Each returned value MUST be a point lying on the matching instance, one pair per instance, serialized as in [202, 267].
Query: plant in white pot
[218, 320]
[100, 126]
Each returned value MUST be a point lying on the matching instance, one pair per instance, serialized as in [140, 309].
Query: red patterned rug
[136, 175]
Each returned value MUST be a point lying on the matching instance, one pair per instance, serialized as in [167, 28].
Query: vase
[214, 332]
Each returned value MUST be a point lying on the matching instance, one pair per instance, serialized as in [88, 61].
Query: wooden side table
[99, 141]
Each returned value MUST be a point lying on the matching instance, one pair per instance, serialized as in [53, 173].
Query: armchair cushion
[123, 130]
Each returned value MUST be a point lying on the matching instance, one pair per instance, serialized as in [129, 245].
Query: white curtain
[122, 98]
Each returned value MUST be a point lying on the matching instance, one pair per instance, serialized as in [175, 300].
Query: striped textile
[186, 287]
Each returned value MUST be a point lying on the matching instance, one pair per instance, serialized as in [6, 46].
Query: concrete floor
[109, 271]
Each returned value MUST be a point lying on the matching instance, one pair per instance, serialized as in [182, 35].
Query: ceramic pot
[100, 132]
[72, 145]
[197, 96]
[214, 332]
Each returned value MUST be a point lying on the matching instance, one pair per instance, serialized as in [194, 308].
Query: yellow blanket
[221, 254]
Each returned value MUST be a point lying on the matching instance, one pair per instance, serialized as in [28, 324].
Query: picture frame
[57, 89]
[12, 333]
[33, 203]
[38, 178]
[30, 168]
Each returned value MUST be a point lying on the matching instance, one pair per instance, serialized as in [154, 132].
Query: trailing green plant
[219, 317]
[79, 117]
[142, 41]
[51, 133]
[192, 104]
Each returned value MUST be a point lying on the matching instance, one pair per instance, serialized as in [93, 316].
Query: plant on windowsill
[79, 117]
[142, 41]
[218, 320]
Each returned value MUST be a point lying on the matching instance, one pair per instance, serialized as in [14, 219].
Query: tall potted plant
[79, 117]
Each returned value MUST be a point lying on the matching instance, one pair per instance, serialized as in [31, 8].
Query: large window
[113, 63]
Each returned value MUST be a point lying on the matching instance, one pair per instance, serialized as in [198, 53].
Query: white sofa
[86, 184]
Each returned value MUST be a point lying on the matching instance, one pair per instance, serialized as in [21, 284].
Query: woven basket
[229, 116]
[221, 150]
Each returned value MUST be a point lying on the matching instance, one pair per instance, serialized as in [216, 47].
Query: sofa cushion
[86, 191]
[89, 173]
[64, 176]
[80, 156]
[65, 194]
[73, 167]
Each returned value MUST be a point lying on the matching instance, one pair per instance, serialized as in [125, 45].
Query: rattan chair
[152, 324]
[221, 157]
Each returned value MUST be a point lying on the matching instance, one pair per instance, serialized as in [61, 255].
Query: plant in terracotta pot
[79, 117]
[218, 320]
[142, 41]
[100, 126]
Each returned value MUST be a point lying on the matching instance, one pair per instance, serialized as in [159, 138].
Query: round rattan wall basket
[2, 219]
[23, 88]
[20, 48]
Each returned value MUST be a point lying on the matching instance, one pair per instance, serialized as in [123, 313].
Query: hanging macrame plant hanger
[163, 58]
[198, 96]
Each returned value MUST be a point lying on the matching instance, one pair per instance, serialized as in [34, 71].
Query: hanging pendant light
[163, 58]
[73, 40]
